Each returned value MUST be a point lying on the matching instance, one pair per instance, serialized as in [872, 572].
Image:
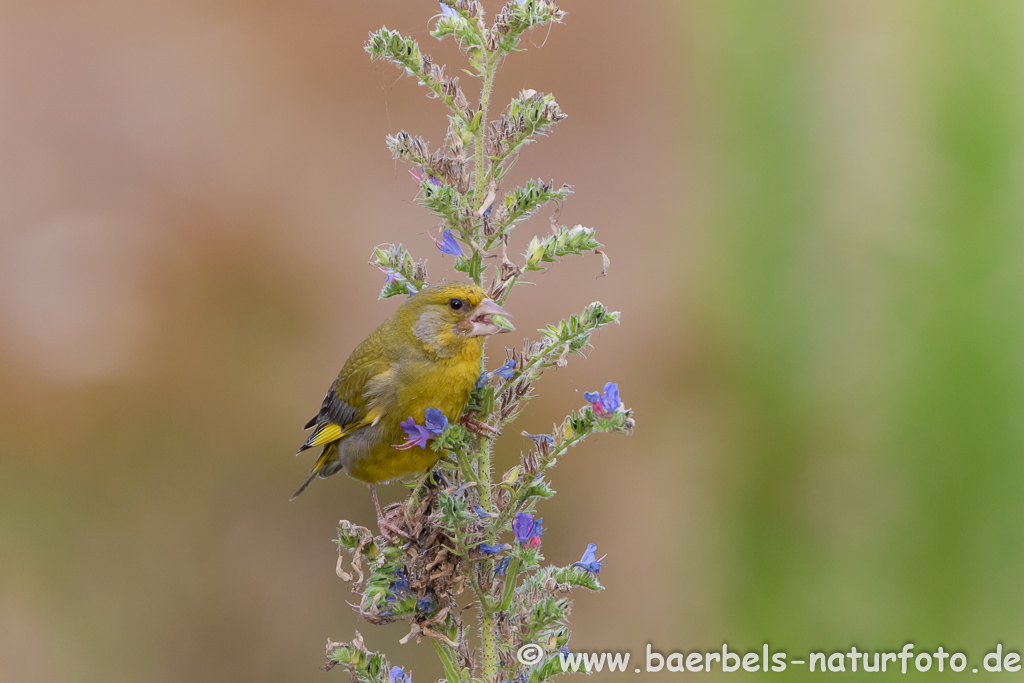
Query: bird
[426, 356]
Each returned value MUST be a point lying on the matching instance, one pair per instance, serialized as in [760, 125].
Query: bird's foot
[475, 426]
[382, 521]
[387, 528]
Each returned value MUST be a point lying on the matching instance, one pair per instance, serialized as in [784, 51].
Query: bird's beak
[483, 324]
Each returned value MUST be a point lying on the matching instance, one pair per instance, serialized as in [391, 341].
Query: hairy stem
[484, 476]
[552, 351]
[490, 646]
[489, 62]
[496, 162]
[488, 640]
[519, 499]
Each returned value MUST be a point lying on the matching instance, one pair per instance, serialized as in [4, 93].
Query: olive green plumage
[426, 356]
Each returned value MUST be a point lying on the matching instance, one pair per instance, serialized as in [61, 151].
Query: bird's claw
[385, 526]
[382, 522]
[475, 426]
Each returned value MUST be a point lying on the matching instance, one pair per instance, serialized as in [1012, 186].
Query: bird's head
[448, 315]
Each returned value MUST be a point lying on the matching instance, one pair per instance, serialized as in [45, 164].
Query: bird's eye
[455, 304]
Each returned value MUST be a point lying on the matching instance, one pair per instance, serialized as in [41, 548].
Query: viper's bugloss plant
[466, 533]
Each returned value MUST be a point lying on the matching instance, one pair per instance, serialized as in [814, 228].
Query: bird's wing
[346, 407]
[337, 418]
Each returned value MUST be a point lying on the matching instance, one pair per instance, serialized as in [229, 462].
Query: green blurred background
[814, 214]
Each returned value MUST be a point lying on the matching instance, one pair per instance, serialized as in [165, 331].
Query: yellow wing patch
[329, 433]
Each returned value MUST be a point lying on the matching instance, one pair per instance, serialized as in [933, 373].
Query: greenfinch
[427, 356]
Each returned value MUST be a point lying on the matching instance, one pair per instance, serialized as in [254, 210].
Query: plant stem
[483, 487]
[496, 162]
[549, 352]
[489, 643]
[490, 646]
[482, 178]
[518, 499]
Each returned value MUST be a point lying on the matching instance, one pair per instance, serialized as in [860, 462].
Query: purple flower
[448, 245]
[502, 566]
[434, 423]
[483, 514]
[488, 549]
[398, 675]
[505, 371]
[605, 403]
[416, 435]
[420, 174]
[425, 604]
[527, 530]
[391, 274]
[589, 561]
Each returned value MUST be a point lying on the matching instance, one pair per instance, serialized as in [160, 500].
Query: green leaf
[522, 202]
[576, 330]
[394, 47]
[516, 18]
[465, 31]
[563, 242]
[528, 114]
[472, 265]
[574, 576]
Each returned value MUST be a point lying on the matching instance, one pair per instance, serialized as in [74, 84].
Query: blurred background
[814, 215]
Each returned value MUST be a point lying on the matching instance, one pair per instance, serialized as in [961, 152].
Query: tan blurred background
[814, 214]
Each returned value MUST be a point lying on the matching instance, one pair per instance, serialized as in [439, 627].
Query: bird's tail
[326, 465]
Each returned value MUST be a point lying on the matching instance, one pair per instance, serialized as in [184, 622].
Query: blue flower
[505, 371]
[481, 381]
[448, 245]
[391, 274]
[527, 530]
[400, 586]
[434, 423]
[434, 420]
[564, 650]
[539, 438]
[483, 514]
[426, 604]
[448, 11]
[589, 561]
[502, 566]
[611, 401]
[607, 403]
[487, 549]
[398, 675]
